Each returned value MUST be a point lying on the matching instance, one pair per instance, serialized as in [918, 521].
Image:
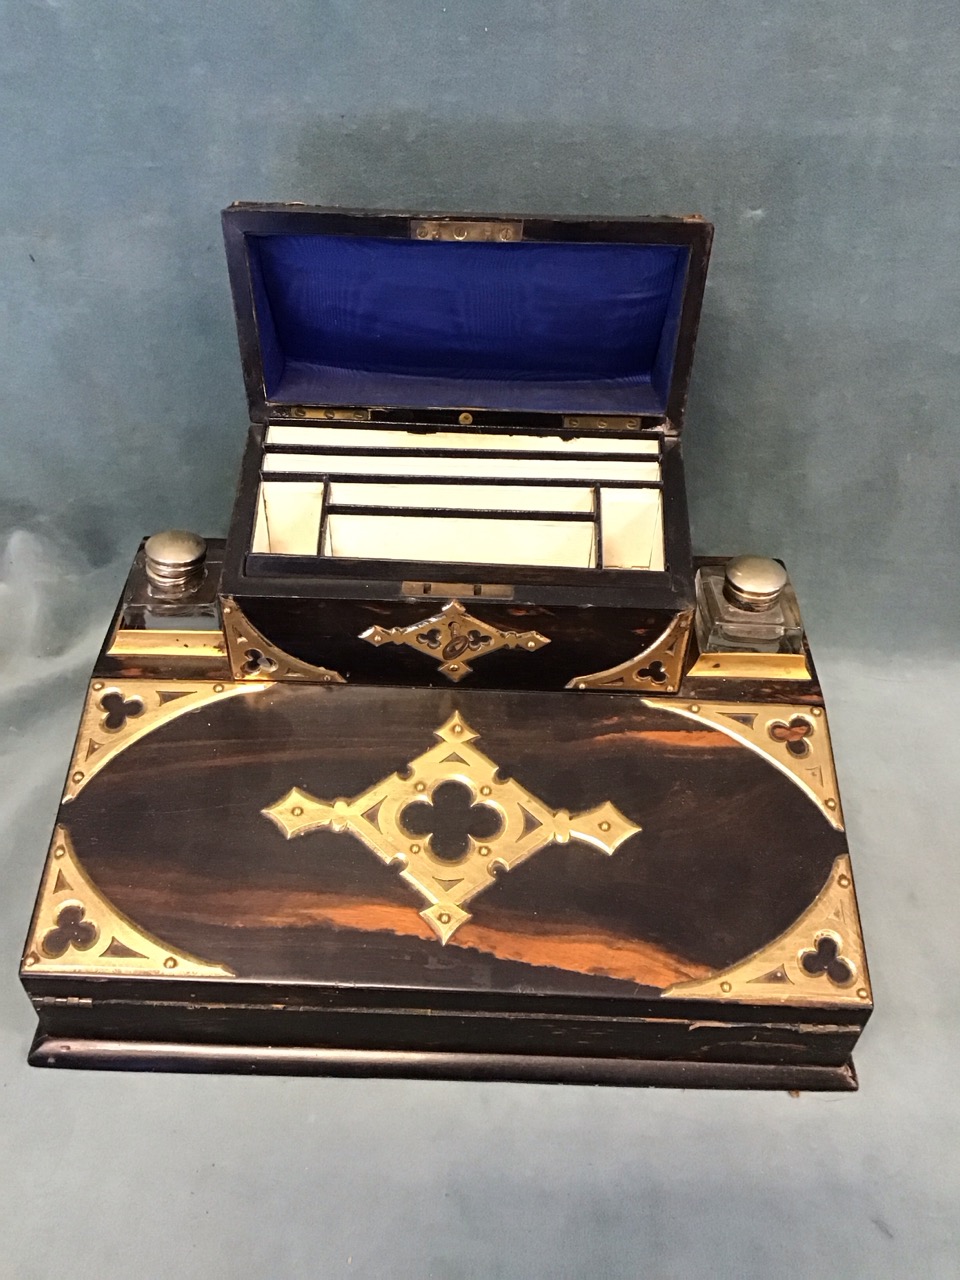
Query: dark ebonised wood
[242, 1059]
[558, 976]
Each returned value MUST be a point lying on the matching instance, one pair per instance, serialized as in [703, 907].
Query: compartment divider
[458, 513]
[510, 455]
[597, 527]
[559, 482]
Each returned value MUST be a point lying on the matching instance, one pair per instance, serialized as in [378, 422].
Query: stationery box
[464, 458]
[452, 761]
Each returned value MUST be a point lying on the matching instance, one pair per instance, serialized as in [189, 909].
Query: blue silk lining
[535, 326]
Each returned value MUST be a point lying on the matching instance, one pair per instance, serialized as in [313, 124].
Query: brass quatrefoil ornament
[526, 824]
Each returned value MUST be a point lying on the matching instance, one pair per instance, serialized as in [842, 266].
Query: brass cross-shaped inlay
[452, 636]
[526, 824]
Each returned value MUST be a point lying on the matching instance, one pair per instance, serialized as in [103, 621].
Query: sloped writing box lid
[571, 315]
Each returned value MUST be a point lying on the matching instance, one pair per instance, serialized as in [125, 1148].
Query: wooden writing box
[481, 416]
[500, 785]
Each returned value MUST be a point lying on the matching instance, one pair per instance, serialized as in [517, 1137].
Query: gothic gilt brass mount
[795, 738]
[525, 825]
[452, 636]
[820, 958]
[77, 930]
[658, 669]
[253, 657]
[119, 713]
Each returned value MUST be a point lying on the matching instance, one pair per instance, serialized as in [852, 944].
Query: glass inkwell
[747, 605]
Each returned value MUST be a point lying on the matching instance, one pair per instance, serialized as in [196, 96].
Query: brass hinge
[464, 230]
[601, 421]
[73, 1001]
[328, 415]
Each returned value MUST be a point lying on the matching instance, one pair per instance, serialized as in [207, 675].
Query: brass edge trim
[819, 960]
[751, 666]
[375, 817]
[794, 738]
[119, 712]
[167, 644]
[658, 669]
[453, 635]
[254, 659]
[77, 930]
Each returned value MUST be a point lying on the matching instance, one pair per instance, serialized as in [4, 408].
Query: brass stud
[98, 684]
[486, 791]
[422, 233]
[444, 917]
[169, 963]
[218, 688]
[506, 233]
[725, 986]
[77, 777]
[297, 811]
[30, 961]
[817, 711]
[414, 848]
[458, 729]
[863, 993]
[843, 882]
[831, 804]
[420, 786]
[466, 419]
[694, 707]
[531, 644]
[227, 608]
[604, 826]
[483, 850]
[574, 422]
[581, 685]
[59, 851]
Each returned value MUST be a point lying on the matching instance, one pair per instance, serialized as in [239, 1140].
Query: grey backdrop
[823, 141]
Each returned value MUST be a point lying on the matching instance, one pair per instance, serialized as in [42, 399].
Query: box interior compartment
[522, 499]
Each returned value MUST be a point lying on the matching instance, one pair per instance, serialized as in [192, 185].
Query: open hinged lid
[559, 315]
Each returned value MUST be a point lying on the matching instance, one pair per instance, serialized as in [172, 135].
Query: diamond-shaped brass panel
[526, 824]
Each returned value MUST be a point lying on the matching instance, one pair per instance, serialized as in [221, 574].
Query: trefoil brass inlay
[253, 657]
[794, 738]
[820, 958]
[118, 713]
[452, 636]
[525, 825]
[659, 669]
[77, 930]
